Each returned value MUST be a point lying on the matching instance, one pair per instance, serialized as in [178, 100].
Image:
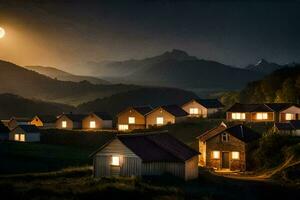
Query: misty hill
[13, 105]
[65, 76]
[282, 85]
[178, 69]
[26, 83]
[139, 97]
[264, 66]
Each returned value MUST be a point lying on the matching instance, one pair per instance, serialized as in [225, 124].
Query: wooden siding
[251, 117]
[159, 168]
[203, 112]
[191, 168]
[100, 123]
[130, 164]
[295, 111]
[140, 121]
[70, 123]
[216, 144]
[29, 137]
[151, 118]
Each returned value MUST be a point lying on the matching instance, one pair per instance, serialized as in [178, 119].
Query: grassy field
[79, 184]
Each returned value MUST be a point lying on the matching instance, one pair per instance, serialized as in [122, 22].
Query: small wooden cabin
[226, 147]
[16, 121]
[133, 118]
[151, 154]
[4, 132]
[44, 121]
[202, 107]
[97, 120]
[70, 121]
[168, 114]
[25, 133]
[292, 127]
[269, 112]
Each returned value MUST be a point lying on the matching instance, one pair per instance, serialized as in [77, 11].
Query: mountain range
[176, 68]
[65, 76]
[265, 67]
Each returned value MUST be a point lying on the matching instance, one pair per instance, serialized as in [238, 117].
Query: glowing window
[17, 137]
[92, 124]
[261, 116]
[123, 127]
[159, 120]
[194, 111]
[131, 120]
[288, 116]
[216, 154]
[64, 124]
[22, 137]
[235, 155]
[115, 161]
[238, 116]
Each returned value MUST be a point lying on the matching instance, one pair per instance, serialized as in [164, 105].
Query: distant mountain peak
[261, 62]
[178, 54]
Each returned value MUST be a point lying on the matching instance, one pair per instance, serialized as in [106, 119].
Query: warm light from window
[131, 120]
[22, 137]
[159, 120]
[238, 116]
[92, 124]
[235, 155]
[261, 116]
[288, 116]
[194, 111]
[64, 124]
[123, 127]
[216, 154]
[115, 161]
[17, 137]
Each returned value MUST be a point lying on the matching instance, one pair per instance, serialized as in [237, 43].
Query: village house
[152, 154]
[44, 121]
[168, 114]
[97, 120]
[202, 107]
[225, 148]
[133, 118]
[25, 133]
[4, 132]
[16, 121]
[270, 112]
[292, 127]
[70, 121]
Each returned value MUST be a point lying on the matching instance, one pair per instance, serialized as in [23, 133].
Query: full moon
[2, 32]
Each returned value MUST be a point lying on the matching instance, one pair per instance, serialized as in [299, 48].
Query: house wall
[251, 117]
[234, 144]
[202, 155]
[29, 137]
[203, 112]
[140, 121]
[151, 118]
[271, 117]
[92, 117]
[70, 124]
[37, 122]
[292, 110]
[191, 168]
[130, 164]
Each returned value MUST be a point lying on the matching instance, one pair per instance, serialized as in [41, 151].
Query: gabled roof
[156, 147]
[277, 107]
[284, 126]
[142, 109]
[238, 107]
[3, 128]
[243, 133]
[174, 110]
[210, 103]
[75, 117]
[47, 118]
[291, 125]
[103, 115]
[239, 131]
[29, 128]
[21, 119]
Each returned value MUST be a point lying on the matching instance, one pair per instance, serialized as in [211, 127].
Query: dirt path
[264, 176]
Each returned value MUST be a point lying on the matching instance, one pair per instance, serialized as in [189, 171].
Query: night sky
[69, 34]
